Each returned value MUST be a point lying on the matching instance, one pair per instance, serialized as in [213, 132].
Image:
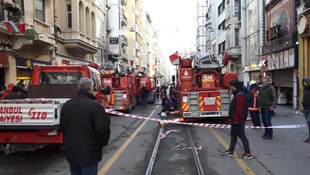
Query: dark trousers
[144, 102]
[84, 170]
[163, 102]
[255, 118]
[237, 130]
[307, 116]
[266, 118]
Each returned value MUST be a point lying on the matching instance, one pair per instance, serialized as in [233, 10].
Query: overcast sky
[176, 22]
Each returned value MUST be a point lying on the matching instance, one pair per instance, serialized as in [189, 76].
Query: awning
[4, 61]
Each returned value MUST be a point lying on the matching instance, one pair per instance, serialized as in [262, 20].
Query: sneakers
[267, 137]
[307, 140]
[247, 156]
[227, 153]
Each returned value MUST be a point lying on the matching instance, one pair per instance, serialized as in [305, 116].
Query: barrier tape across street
[206, 125]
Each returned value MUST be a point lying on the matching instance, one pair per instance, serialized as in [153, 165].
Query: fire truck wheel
[128, 111]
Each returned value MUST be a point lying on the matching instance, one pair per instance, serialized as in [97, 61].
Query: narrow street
[129, 151]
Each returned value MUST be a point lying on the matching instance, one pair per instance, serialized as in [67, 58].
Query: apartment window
[222, 26]
[69, 12]
[39, 6]
[237, 7]
[221, 8]
[236, 37]
[222, 47]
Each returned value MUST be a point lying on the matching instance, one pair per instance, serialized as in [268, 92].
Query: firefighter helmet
[163, 114]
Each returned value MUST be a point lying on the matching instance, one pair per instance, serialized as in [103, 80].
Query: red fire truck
[203, 89]
[34, 122]
[149, 82]
[122, 87]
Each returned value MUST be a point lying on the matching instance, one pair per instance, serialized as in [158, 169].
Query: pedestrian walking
[238, 113]
[163, 96]
[306, 104]
[86, 129]
[252, 103]
[138, 96]
[267, 103]
[144, 93]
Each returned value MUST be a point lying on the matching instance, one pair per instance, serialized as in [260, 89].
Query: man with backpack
[238, 111]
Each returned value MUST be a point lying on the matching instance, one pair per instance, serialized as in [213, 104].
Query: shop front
[303, 21]
[280, 51]
[24, 68]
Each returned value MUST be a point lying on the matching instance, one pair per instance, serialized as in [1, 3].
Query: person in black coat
[86, 129]
[17, 93]
[306, 105]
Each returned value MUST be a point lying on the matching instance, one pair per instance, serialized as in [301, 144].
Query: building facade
[303, 20]
[251, 42]
[280, 52]
[201, 35]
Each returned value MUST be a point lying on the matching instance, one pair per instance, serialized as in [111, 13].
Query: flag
[175, 58]
[22, 28]
[11, 27]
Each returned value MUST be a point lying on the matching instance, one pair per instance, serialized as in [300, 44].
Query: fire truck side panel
[29, 114]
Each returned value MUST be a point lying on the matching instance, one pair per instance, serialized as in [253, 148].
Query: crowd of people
[12, 91]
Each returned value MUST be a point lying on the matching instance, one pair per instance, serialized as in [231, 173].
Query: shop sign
[281, 14]
[280, 60]
[273, 33]
[5, 45]
[264, 63]
[114, 41]
[29, 63]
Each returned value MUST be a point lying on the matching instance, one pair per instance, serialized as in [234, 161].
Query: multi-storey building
[216, 27]
[201, 26]
[50, 32]
[251, 34]
[232, 25]
[148, 45]
[138, 32]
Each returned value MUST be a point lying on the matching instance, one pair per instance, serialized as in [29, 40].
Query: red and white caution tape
[177, 148]
[164, 134]
[207, 125]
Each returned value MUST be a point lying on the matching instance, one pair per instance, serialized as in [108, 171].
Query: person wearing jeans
[238, 112]
[267, 103]
[306, 105]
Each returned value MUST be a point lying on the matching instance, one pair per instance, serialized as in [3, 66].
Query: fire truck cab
[32, 123]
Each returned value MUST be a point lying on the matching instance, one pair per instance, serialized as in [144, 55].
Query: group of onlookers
[12, 91]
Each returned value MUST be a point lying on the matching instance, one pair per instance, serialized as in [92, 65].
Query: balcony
[124, 20]
[124, 40]
[124, 2]
[78, 42]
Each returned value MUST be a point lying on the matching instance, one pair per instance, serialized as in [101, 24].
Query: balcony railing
[78, 41]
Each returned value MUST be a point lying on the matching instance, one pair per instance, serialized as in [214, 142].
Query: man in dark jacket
[144, 93]
[238, 112]
[267, 103]
[86, 128]
[306, 104]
